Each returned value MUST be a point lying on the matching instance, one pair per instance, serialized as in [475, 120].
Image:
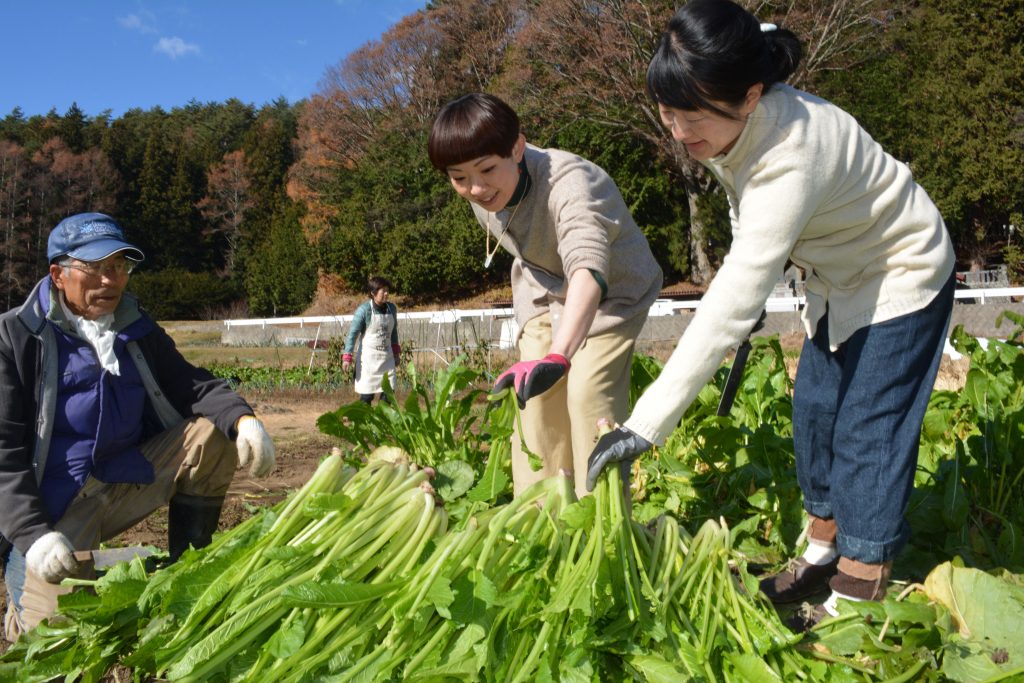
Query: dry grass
[260, 356]
[952, 374]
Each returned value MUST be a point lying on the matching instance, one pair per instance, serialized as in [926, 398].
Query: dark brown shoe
[862, 589]
[799, 582]
[806, 617]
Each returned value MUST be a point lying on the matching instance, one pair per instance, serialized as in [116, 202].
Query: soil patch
[291, 420]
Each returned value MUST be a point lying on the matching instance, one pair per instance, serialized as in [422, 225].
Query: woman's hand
[530, 378]
[620, 445]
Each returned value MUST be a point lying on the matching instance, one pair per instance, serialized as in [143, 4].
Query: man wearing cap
[102, 421]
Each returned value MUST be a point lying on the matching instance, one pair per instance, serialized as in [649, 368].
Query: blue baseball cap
[89, 237]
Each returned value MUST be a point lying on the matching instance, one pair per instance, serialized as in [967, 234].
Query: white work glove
[253, 443]
[52, 557]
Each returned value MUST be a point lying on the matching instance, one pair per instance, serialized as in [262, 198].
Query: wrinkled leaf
[752, 668]
[287, 640]
[579, 515]
[657, 669]
[454, 478]
[317, 595]
[982, 607]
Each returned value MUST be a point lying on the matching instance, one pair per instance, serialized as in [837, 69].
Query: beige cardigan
[805, 182]
[574, 217]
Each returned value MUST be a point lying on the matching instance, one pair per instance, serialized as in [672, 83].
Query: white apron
[374, 358]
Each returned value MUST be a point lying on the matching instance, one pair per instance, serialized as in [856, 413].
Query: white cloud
[175, 47]
[143, 23]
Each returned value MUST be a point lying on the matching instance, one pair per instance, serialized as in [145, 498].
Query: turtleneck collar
[523, 186]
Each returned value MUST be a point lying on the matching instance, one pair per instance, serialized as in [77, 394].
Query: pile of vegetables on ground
[406, 557]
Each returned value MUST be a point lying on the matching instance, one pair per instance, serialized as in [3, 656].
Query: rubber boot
[191, 521]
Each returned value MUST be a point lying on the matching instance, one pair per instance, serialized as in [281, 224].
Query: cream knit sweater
[805, 182]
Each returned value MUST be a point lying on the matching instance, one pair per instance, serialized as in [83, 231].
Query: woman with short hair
[583, 278]
[372, 343]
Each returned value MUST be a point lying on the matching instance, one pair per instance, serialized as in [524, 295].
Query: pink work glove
[531, 378]
[396, 349]
[346, 361]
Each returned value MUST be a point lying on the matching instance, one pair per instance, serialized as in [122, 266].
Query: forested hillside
[240, 208]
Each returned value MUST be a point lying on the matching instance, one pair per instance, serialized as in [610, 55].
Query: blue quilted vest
[98, 422]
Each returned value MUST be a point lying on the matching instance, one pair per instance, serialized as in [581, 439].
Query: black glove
[532, 377]
[620, 445]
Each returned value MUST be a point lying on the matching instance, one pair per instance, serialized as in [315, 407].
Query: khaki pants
[194, 457]
[560, 425]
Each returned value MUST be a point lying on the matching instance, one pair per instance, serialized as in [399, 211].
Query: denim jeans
[14, 577]
[857, 415]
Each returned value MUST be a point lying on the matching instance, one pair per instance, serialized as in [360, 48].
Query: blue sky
[122, 54]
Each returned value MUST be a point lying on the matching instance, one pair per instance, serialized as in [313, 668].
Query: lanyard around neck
[522, 187]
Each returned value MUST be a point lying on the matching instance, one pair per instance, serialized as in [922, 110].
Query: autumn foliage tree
[226, 201]
[149, 169]
[588, 59]
[226, 188]
[15, 269]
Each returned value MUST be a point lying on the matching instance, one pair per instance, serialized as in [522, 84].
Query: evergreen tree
[12, 126]
[154, 217]
[72, 128]
[945, 93]
[184, 228]
[268, 147]
[282, 275]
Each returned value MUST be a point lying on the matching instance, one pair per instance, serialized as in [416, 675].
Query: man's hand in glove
[396, 351]
[620, 445]
[253, 443]
[52, 557]
[530, 378]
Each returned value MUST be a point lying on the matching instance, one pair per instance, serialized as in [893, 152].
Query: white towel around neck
[98, 334]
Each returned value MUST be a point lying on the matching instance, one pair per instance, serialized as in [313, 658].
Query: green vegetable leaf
[474, 595]
[441, 596]
[657, 669]
[982, 606]
[906, 612]
[967, 662]
[454, 478]
[314, 594]
[752, 668]
[287, 640]
[580, 515]
[494, 479]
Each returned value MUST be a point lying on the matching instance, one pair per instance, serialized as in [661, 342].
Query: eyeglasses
[110, 269]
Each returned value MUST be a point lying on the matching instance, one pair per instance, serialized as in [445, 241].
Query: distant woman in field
[583, 278]
[805, 182]
[372, 342]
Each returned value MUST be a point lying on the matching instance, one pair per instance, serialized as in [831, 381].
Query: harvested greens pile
[362, 576]
[356, 578]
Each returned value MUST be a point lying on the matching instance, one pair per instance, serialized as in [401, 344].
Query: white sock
[820, 553]
[830, 604]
